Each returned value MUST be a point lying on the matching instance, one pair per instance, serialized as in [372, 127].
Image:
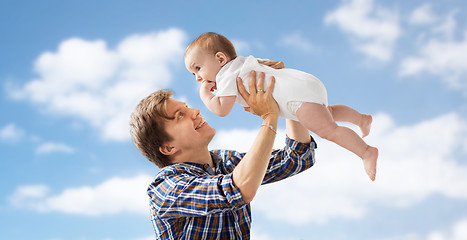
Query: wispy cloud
[87, 80]
[373, 29]
[53, 147]
[458, 231]
[151, 237]
[260, 235]
[440, 54]
[423, 15]
[241, 47]
[11, 133]
[246, 47]
[116, 195]
[296, 41]
[411, 167]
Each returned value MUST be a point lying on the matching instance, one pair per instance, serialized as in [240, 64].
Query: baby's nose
[198, 78]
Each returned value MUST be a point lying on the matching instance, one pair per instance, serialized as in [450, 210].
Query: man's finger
[252, 83]
[261, 82]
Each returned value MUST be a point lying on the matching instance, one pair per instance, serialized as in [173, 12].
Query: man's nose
[195, 112]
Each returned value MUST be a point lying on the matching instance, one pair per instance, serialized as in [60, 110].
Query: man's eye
[180, 115]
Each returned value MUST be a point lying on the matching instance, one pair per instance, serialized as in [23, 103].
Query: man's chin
[213, 134]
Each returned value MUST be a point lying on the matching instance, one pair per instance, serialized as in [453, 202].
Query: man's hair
[214, 43]
[147, 127]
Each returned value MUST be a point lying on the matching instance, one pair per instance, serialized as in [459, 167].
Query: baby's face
[202, 65]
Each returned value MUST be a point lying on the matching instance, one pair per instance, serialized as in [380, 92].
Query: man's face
[188, 129]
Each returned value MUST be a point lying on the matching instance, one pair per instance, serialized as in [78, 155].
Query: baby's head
[205, 56]
[212, 43]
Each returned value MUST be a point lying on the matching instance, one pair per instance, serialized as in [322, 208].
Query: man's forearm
[249, 173]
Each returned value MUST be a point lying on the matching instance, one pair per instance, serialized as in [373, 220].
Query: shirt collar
[199, 168]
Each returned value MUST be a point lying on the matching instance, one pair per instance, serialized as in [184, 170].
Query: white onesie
[292, 88]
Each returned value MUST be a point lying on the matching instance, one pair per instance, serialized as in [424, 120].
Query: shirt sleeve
[185, 195]
[294, 158]
[230, 158]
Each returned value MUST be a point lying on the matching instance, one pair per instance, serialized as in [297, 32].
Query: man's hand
[271, 63]
[261, 102]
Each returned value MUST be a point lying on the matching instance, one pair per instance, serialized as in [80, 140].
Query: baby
[301, 96]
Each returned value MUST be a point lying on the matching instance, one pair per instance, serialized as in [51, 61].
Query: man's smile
[201, 124]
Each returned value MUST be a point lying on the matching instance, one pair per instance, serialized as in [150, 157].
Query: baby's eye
[197, 68]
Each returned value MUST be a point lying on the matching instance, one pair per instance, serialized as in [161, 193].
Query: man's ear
[167, 149]
[221, 58]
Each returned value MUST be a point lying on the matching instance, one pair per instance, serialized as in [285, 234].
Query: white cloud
[52, 147]
[11, 133]
[87, 80]
[28, 192]
[259, 235]
[374, 29]
[456, 232]
[438, 50]
[145, 238]
[415, 162]
[441, 57]
[116, 195]
[448, 26]
[423, 15]
[297, 41]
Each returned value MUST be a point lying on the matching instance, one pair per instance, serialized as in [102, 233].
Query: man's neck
[201, 157]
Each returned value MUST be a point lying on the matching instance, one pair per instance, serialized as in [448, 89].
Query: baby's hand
[208, 86]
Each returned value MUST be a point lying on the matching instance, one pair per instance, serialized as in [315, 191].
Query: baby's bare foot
[369, 161]
[365, 124]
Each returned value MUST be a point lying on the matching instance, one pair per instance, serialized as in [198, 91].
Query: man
[202, 194]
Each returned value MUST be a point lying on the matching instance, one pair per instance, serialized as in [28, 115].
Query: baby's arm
[221, 106]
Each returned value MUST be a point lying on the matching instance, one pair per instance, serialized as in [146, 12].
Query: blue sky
[72, 71]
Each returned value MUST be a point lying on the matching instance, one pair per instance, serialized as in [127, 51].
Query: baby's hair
[214, 43]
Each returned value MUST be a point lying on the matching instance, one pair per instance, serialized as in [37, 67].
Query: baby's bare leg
[342, 113]
[318, 119]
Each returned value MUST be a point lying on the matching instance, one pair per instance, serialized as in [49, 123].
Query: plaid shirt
[195, 201]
